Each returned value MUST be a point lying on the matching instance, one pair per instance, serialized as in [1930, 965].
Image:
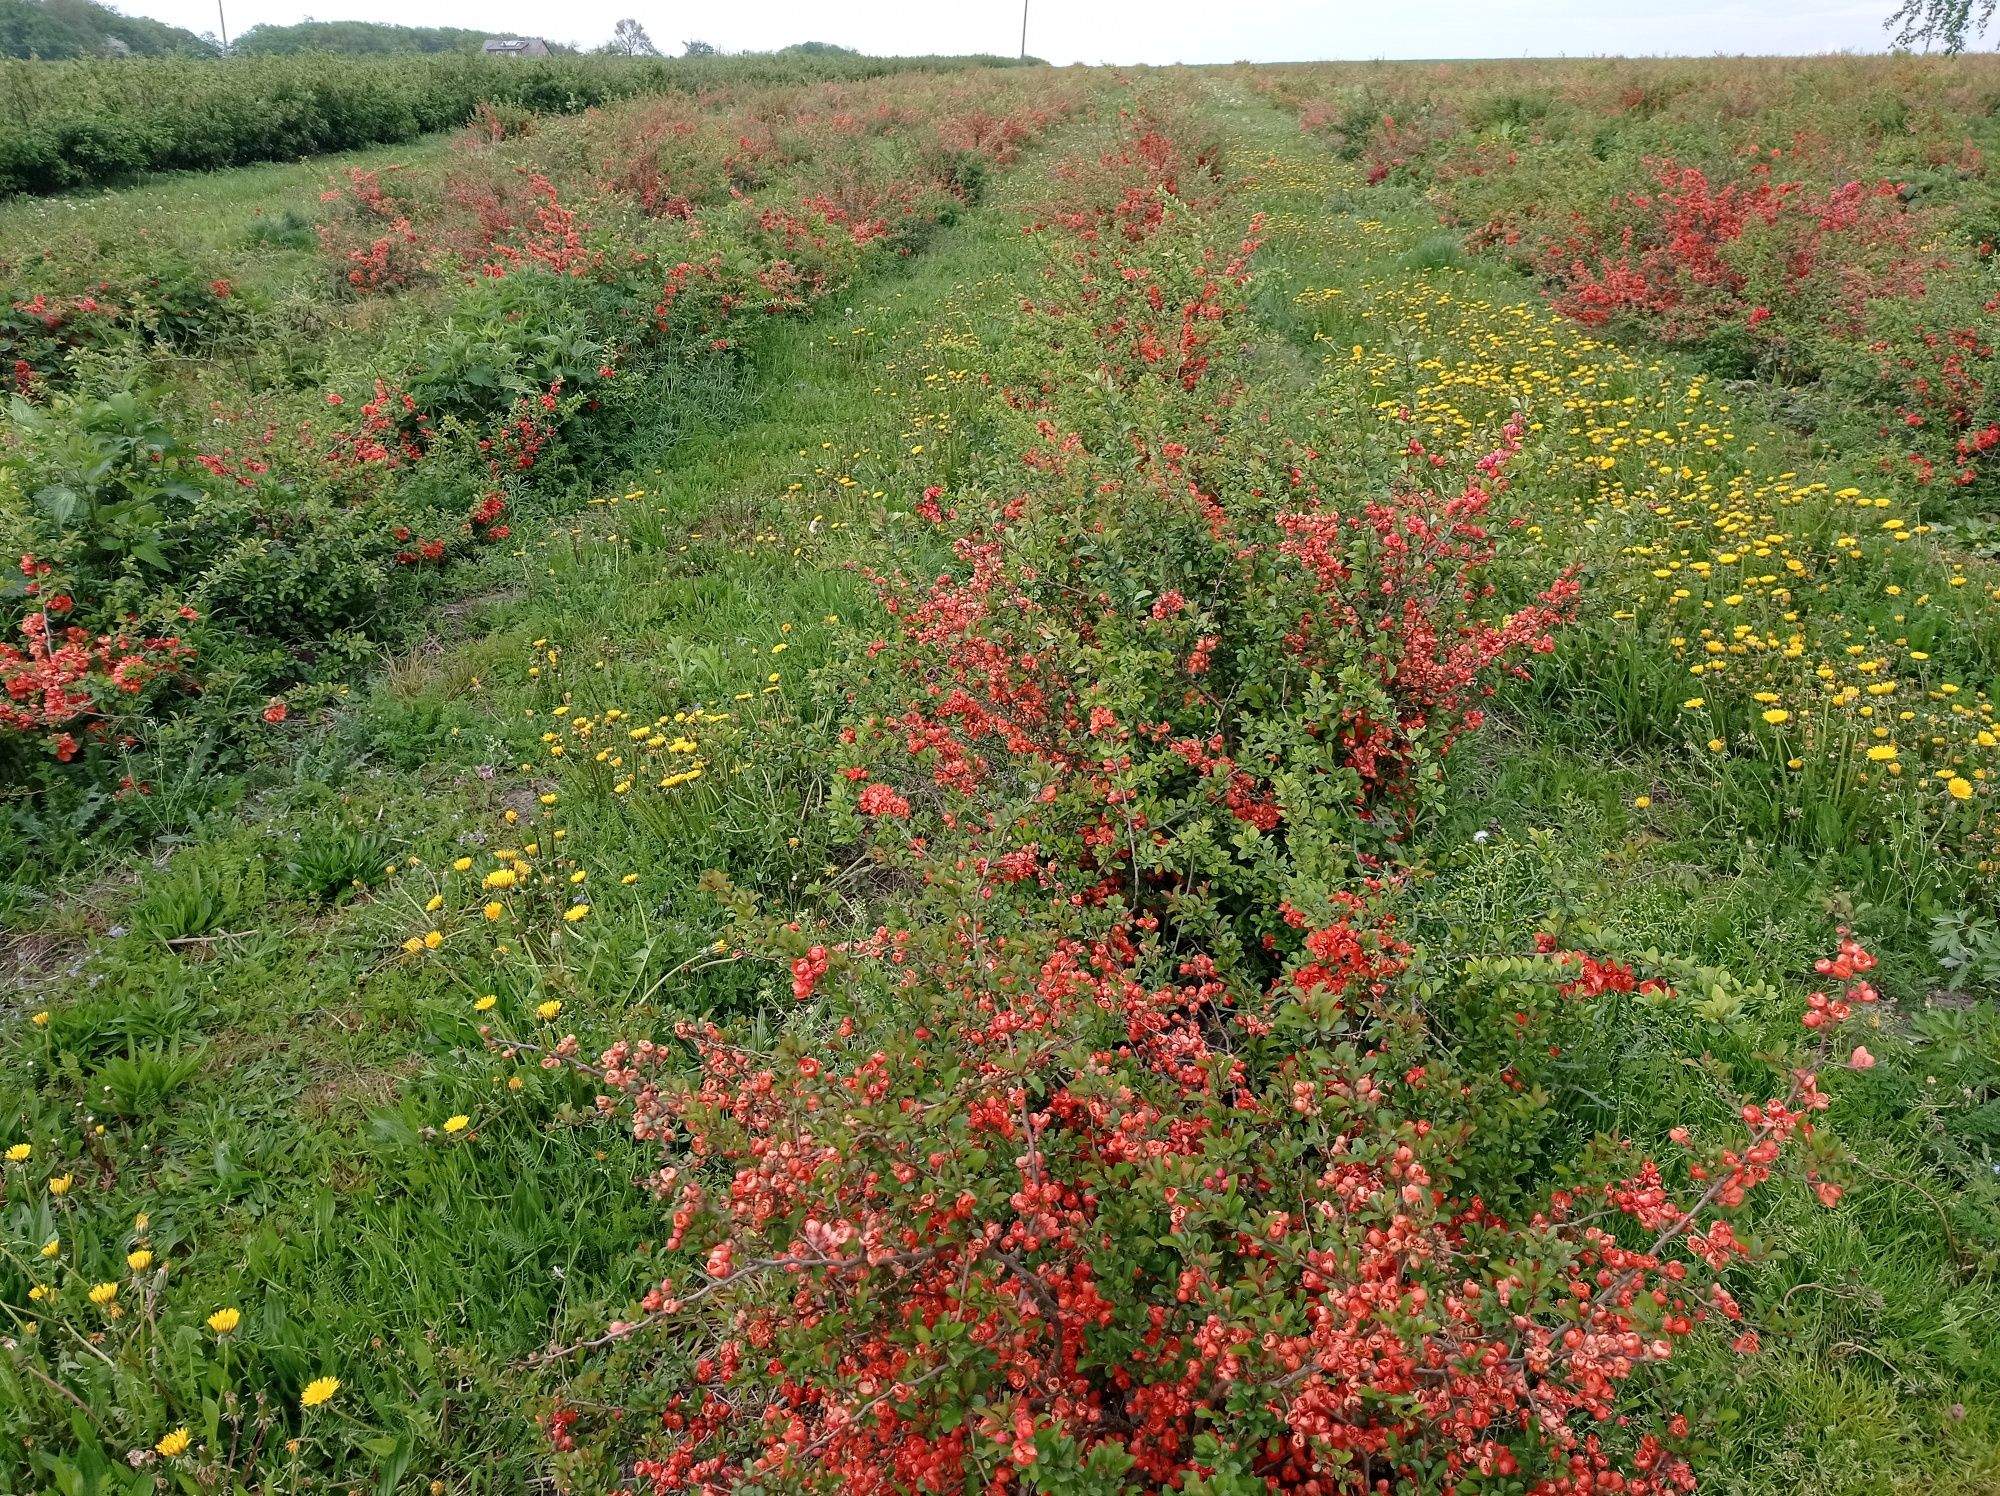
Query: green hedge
[81, 123]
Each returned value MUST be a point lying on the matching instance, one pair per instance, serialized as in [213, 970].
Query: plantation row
[1827, 227]
[351, 409]
[1841, 676]
[1060, 882]
[85, 122]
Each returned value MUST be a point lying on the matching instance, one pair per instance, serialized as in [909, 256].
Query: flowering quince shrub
[67, 690]
[1132, 1146]
[509, 310]
[1769, 218]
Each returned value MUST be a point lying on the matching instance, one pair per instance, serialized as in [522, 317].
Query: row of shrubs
[226, 496]
[1123, 1141]
[1828, 227]
[85, 122]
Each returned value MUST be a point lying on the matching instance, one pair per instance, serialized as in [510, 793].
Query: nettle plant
[1134, 1148]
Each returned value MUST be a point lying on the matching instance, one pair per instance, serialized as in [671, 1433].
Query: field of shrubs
[90, 121]
[1238, 781]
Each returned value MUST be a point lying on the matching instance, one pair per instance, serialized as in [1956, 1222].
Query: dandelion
[432, 940]
[319, 1390]
[52, 1246]
[500, 877]
[1694, 703]
[103, 1294]
[457, 1122]
[548, 799]
[413, 945]
[139, 1260]
[485, 1004]
[462, 865]
[61, 1183]
[436, 903]
[575, 912]
[494, 909]
[18, 1154]
[1777, 716]
[223, 1321]
[1716, 745]
[1958, 787]
[1882, 753]
[174, 1443]
[40, 1020]
[629, 879]
[1642, 802]
[547, 1011]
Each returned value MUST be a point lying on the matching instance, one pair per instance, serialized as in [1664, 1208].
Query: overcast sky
[1156, 31]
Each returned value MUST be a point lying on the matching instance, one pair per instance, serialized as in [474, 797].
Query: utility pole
[223, 21]
[1024, 28]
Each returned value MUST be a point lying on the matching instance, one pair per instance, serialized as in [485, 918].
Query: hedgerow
[85, 122]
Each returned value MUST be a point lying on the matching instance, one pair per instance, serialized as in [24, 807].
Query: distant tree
[354, 38]
[697, 49]
[629, 39]
[53, 29]
[1948, 25]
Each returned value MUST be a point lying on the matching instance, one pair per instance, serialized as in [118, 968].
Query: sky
[1132, 31]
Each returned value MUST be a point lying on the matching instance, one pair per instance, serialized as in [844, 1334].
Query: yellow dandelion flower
[547, 1011]
[457, 1122]
[103, 1293]
[139, 1260]
[432, 940]
[1716, 745]
[174, 1443]
[485, 1004]
[1882, 753]
[463, 864]
[61, 1183]
[319, 1390]
[52, 1246]
[436, 903]
[40, 1292]
[1694, 703]
[575, 912]
[1959, 787]
[1642, 802]
[40, 1020]
[493, 910]
[548, 799]
[18, 1154]
[629, 879]
[501, 877]
[1777, 716]
[225, 1320]
[413, 945]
